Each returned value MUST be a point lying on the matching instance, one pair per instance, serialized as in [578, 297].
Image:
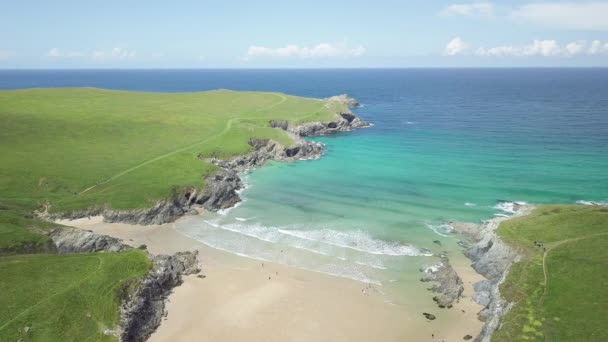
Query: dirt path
[553, 246]
[185, 148]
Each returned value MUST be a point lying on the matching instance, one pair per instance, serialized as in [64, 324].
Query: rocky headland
[222, 187]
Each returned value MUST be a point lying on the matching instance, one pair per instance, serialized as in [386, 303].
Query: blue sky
[252, 34]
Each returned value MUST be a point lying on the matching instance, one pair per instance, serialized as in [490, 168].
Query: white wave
[432, 268]
[509, 207]
[356, 240]
[442, 229]
[583, 202]
[469, 204]
[241, 219]
[344, 271]
[409, 123]
[225, 211]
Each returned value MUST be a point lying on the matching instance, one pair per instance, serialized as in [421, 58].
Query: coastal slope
[545, 273]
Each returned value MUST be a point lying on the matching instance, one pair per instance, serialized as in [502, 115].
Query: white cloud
[546, 48]
[591, 16]
[481, 9]
[58, 53]
[114, 54]
[572, 15]
[597, 47]
[323, 50]
[456, 46]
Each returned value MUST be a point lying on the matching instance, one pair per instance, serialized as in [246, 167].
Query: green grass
[573, 303]
[130, 149]
[64, 297]
[20, 232]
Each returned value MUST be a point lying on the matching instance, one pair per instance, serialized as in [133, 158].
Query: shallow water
[445, 145]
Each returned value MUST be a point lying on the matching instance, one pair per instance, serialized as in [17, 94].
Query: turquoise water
[445, 145]
[371, 208]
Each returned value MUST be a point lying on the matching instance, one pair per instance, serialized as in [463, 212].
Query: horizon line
[301, 68]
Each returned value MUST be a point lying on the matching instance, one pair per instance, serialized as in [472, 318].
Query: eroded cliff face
[142, 310]
[491, 258]
[221, 189]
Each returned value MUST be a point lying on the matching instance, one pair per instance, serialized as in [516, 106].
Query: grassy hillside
[64, 297]
[80, 147]
[560, 289]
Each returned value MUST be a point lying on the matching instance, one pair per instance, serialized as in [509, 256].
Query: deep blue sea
[447, 144]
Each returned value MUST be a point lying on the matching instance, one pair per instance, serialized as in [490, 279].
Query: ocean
[445, 145]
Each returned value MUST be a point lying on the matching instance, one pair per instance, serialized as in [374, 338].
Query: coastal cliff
[492, 258]
[142, 300]
[222, 187]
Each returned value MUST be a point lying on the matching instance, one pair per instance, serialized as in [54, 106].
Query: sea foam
[508, 207]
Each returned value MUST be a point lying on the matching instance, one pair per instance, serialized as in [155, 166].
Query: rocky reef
[222, 187]
[448, 285]
[491, 258]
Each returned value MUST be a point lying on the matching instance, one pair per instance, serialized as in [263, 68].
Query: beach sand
[242, 299]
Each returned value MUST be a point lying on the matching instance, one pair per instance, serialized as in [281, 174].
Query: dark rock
[448, 285]
[282, 124]
[71, 240]
[429, 316]
[467, 337]
[437, 242]
[142, 309]
[492, 258]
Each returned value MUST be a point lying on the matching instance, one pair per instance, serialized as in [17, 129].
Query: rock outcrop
[448, 285]
[491, 258]
[71, 240]
[347, 100]
[142, 310]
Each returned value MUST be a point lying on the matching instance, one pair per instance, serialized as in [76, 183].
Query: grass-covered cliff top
[48, 297]
[58, 142]
[560, 287]
[76, 148]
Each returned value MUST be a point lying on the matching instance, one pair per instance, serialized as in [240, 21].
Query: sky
[302, 34]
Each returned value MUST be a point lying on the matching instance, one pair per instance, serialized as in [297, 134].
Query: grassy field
[64, 297]
[81, 147]
[560, 289]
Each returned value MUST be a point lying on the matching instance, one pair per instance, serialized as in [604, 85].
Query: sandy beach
[242, 299]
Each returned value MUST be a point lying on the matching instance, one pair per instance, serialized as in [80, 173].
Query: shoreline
[239, 299]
